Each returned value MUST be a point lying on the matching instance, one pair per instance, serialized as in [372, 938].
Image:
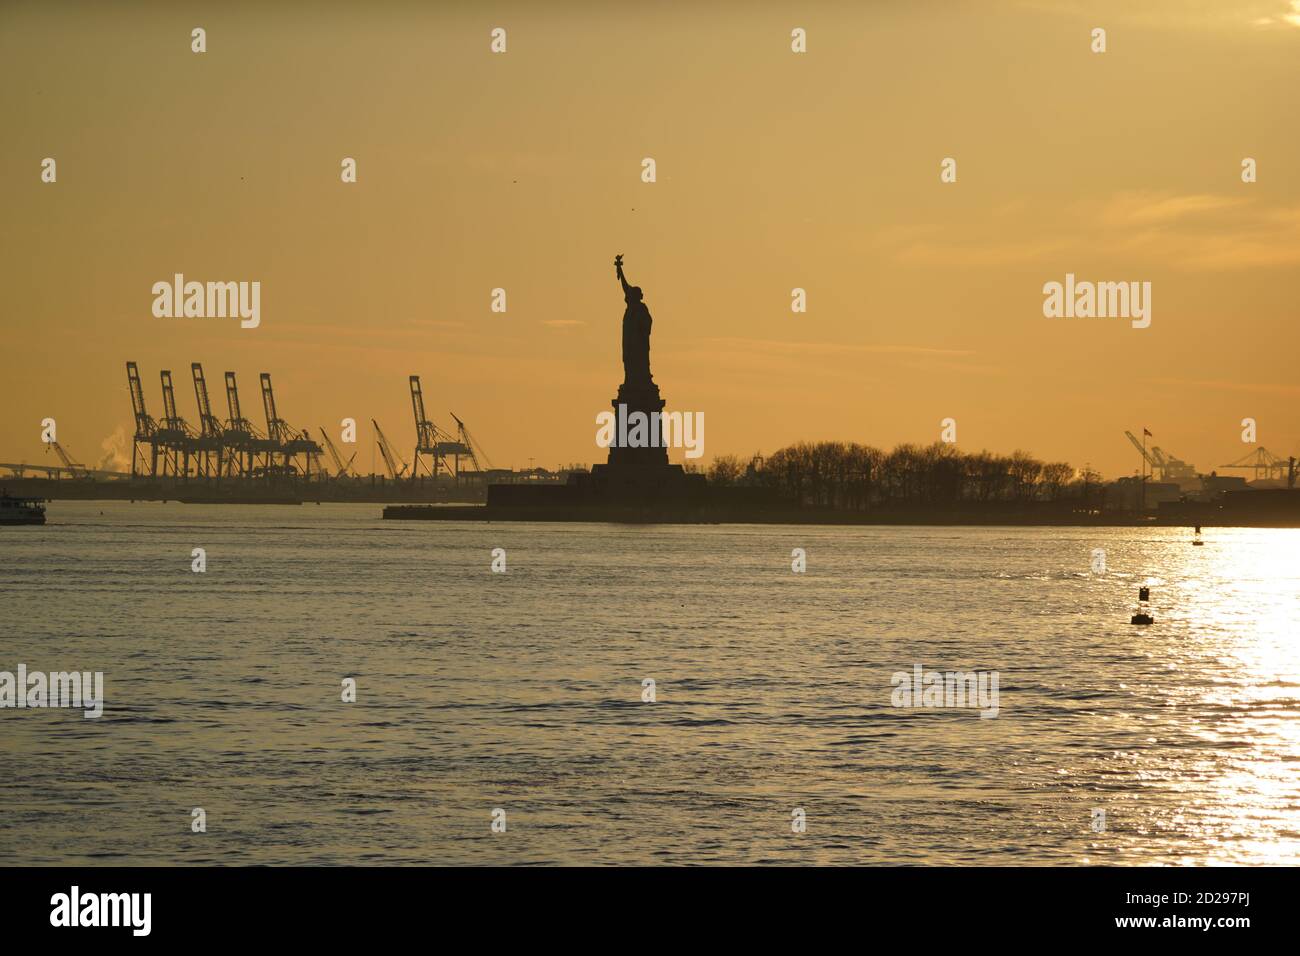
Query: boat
[21, 510]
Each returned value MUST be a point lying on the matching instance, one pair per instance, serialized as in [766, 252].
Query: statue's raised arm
[618, 268]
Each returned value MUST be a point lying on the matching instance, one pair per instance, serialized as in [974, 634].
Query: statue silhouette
[636, 332]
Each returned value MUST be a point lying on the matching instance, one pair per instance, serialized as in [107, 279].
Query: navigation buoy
[1142, 617]
[1197, 542]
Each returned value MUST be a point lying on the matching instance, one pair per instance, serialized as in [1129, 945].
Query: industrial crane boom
[277, 429]
[344, 469]
[388, 453]
[171, 419]
[427, 434]
[470, 442]
[144, 425]
[73, 468]
[1147, 456]
[209, 426]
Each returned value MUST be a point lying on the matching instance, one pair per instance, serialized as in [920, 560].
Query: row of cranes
[236, 448]
[171, 447]
[1265, 465]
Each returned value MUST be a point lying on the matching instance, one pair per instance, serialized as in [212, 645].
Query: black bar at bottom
[302, 904]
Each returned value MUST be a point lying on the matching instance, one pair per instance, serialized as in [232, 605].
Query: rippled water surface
[522, 691]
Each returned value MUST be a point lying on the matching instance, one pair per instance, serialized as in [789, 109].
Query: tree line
[858, 477]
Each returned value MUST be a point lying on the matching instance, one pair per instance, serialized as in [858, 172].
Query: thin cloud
[1175, 14]
[1147, 209]
[1282, 19]
[1187, 232]
[827, 348]
[438, 323]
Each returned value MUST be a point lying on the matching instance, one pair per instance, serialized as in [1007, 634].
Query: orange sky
[775, 171]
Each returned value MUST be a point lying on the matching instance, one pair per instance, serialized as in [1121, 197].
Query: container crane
[1149, 458]
[344, 469]
[240, 436]
[1264, 463]
[427, 435]
[174, 433]
[146, 428]
[390, 455]
[471, 445]
[73, 469]
[286, 442]
[1166, 467]
[1173, 468]
[209, 443]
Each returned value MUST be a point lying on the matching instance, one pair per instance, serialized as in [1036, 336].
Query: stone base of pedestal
[644, 398]
[622, 482]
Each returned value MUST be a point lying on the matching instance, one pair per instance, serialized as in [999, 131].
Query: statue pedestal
[642, 398]
[639, 474]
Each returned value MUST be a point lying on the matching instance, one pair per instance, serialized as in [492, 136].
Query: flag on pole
[1147, 433]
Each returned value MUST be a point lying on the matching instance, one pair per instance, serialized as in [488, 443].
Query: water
[522, 691]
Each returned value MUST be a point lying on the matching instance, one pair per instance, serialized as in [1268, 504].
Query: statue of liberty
[636, 332]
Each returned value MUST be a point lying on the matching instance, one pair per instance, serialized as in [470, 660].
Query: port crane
[1170, 467]
[1264, 463]
[391, 457]
[174, 433]
[429, 439]
[209, 444]
[145, 427]
[70, 466]
[241, 437]
[344, 469]
[288, 443]
[1147, 456]
[470, 447]
[278, 431]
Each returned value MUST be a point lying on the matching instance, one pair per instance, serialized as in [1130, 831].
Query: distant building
[1128, 495]
[1213, 483]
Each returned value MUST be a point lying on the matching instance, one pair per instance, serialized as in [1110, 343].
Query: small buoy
[1197, 542]
[1142, 617]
